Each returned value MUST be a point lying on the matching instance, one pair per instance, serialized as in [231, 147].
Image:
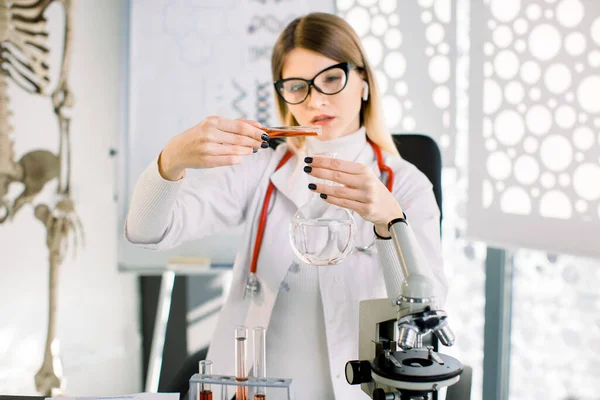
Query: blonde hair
[331, 36]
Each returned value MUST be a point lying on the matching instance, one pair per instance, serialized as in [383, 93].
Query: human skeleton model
[24, 60]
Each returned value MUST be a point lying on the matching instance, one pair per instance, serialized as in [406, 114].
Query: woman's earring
[365, 95]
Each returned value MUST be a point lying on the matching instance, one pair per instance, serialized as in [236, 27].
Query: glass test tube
[260, 359]
[205, 368]
[241, 359]
[224, 392]
[292, 131]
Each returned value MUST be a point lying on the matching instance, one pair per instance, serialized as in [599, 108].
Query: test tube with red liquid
[292, 131]
[205, 368]
[241, 360]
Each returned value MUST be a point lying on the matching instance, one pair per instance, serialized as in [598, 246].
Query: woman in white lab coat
[311, 312]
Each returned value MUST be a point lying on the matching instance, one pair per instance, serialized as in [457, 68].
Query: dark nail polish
[308, 160]
[254, 150]
[307, 169]
[323, 196]
[264, 136]
[312, 186]
[264, 145]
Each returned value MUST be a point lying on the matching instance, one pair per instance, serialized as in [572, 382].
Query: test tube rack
[197, 380]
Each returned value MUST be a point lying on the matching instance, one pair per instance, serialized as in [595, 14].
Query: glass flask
[322, 233]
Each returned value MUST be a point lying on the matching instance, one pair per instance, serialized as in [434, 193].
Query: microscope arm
[418, 278]
[418, 311]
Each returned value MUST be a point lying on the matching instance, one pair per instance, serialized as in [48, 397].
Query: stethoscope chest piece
[252, 286]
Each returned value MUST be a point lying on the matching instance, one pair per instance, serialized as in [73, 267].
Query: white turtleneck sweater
[297, 321]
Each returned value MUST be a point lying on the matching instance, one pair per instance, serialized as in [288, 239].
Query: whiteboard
[189, 59]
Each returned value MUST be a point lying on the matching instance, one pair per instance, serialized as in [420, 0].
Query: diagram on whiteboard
[195, 58]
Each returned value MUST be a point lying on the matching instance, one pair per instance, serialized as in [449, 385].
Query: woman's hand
[361, 192]
[214, 142]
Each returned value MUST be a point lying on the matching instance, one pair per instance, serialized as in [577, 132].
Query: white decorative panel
[411, 46]
[464, 260]
[555, 328]
[534, 124]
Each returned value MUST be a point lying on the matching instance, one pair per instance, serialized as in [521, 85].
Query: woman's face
[338, 114]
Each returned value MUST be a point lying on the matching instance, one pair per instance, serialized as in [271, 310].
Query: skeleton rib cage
[23, 55]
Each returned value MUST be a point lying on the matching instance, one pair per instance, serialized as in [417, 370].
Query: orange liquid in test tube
[241, 359]
[292, 131]
[206, 395]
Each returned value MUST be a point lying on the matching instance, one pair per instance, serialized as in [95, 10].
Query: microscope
[393, 362]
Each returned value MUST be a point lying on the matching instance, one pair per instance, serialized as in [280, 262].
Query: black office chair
[421, 151]
[424, 153]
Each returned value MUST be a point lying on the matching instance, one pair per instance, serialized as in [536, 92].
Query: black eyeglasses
[331, 80]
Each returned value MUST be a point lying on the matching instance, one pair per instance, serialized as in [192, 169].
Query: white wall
[98, 315]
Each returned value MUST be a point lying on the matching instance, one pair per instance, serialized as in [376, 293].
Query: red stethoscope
[252, 283]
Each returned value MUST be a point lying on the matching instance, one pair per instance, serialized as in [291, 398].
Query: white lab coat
[223, 198]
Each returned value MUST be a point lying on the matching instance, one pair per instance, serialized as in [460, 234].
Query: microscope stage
[414, 369]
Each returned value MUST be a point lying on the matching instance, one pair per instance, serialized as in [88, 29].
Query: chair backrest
[423, 152]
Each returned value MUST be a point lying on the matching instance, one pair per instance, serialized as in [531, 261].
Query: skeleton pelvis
[39, 167]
